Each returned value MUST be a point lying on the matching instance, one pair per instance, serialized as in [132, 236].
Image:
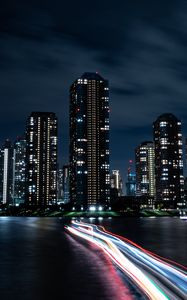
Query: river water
[40, 260]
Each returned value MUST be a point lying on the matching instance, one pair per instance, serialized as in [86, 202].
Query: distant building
[60, 193]
[116, 182]
[19, 171]
[135, 203]
[6, 173]
[168, 161]
[63, 185]
[185, 158]
[131, 184]
[41, 159]
[185, 189]
[66, 198]
[131, 180]
[89, 141]
[145, 169]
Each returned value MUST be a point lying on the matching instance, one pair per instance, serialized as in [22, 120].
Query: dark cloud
[133, 90]
[139, 46]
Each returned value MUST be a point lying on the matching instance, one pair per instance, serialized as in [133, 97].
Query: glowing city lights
[156, 278]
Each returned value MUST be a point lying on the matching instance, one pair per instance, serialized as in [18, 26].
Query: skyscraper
[41, 159]
[116, 182]
[60, 193]
[63, 185]
[145, 169]
[131, 184]
[89, 141]
[185, 160]
[168, 161]
[131, 180]
[66, 184]
[6, 173]
[19, 170]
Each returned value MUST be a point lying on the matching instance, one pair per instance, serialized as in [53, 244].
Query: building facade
[41, 159]
[60, 193]
[66, 198]
[6, 173]
[19, 171]
[145, 169]
[185, 158]
[131, 180]
[116, 182]
[131, 184]
[168, 161]
[89, 141]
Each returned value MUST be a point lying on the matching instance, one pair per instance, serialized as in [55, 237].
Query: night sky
[139, 46]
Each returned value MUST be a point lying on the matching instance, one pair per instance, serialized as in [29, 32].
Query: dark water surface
[39, 260]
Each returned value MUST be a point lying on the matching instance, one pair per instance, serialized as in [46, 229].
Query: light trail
[178, 277]
[158, 279]
[113, 284]
[169, 275]
[181, 267]
[124, 264]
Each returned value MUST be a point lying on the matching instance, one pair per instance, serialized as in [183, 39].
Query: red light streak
[143, 249]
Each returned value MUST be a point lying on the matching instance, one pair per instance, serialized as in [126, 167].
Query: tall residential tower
[19, 171]
[116, 182]
[168, 161]
[89, 141]
[6, 173]
[41, 159]
[66, 184]
[145, 169]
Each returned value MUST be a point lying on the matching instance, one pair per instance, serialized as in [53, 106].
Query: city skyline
[142, 55]
[123, 171]
[93, 149]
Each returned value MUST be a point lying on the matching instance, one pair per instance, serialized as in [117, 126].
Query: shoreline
[80, 214]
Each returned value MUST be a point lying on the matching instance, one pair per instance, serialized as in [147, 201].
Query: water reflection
[39, 261]
[103, 279]
[165, 236]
